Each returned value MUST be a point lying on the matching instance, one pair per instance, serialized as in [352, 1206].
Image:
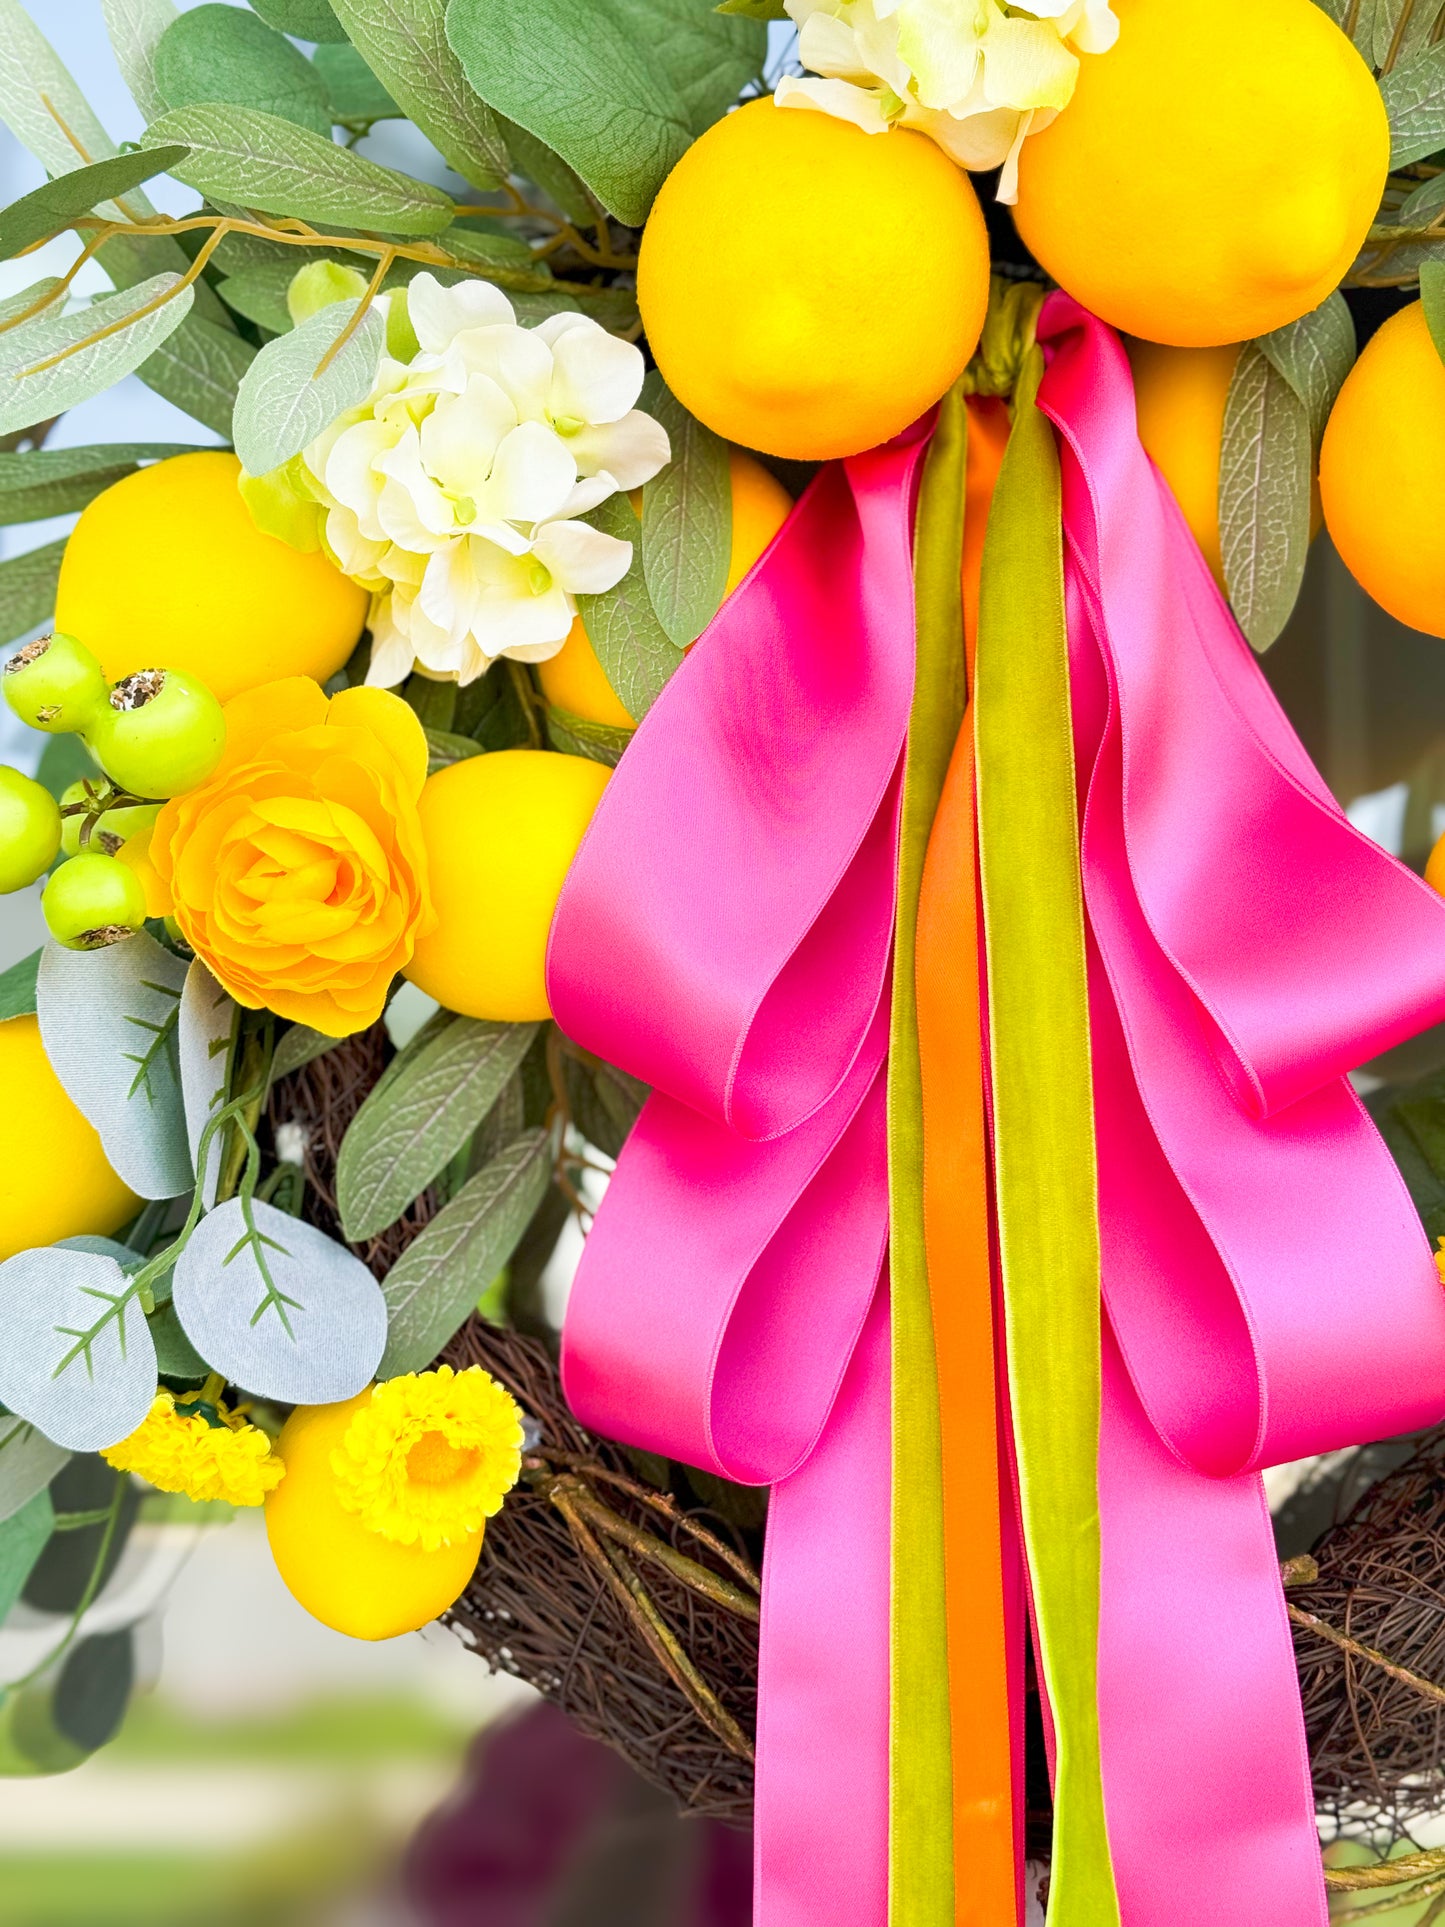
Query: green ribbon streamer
[1043, 1121]
[921, 1772]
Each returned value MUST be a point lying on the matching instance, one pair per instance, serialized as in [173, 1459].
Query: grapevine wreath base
[626, 1590]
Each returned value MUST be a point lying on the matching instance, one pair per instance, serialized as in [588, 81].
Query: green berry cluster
[154, 735]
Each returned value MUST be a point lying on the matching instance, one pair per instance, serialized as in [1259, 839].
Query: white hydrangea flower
[977, 76]
[452, 492]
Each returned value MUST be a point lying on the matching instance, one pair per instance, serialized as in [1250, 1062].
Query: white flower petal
[1025, 64]
[529, 628]
[438, 313]
[353, 553]
[877, 40]
[595, 376]
[448, 599]
[556, 325]
[588, 493]
[392, 655]
[632, 450]
[460, 437]
[829, 46]
[503, 536]
[414, 512]
[350, 476]
[531, 477]
[581, 559]
[515, 359]
[837, 97]
[980, 140]
[939, 41]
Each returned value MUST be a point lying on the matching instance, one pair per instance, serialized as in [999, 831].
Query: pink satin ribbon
[1268, 1287]
[726, 934]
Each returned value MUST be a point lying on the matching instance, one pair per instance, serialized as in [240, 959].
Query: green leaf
[445, 748]
[260, 294]
[1414, 96]
[27, 589]
[28, 1462]
[63, 761]
[687, 520]
[535, 160]
[77, 1360]
[638, 657]
[605, 1102]
[17, 988]
[1400, 29]
[432, 1287]
[753, 9]
[41, 104]
[406, 48]
[577, 736]
[354, 94]
[283, 404]
[43, 292]
[218, 53]
[200, 368]
[260, 160]
[577, 75]
[135, 28]
[30, 392]
[58, 202]
[710, 57]
[399, 1140]
[498, 257]
[1432, 299]
[306, 19]
[176, 1356]
[23, 1537]
[1314, 354]
[300, 1045]
[1264, 496]
[57, 481]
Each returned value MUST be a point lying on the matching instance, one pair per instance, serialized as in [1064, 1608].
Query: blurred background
[274, 1772]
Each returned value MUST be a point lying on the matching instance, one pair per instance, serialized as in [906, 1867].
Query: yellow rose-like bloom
[181, 1452]
[432, 1457]
[298, 871]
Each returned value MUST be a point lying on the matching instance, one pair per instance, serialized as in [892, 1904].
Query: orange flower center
[433, 1460]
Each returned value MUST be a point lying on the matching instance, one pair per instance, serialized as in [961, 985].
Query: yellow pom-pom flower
[431, 1456]
[199, 1448]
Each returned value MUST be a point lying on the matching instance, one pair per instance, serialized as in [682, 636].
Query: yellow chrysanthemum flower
[431, 1457]
[181, 1449]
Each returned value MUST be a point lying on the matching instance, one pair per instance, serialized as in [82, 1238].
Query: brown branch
[1386, 1873]
[1392, 1903]
[363, 308]
[1357, 1651]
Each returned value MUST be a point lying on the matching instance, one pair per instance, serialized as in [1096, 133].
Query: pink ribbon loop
[726, 934]
[1268, 1286]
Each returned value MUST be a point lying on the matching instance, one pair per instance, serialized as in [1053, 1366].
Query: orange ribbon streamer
[986, 1770]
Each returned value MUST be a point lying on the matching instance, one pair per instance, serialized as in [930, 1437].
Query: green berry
[159, 734]
[93, 900]
[112, 829]
[29, 830]
[55, 684]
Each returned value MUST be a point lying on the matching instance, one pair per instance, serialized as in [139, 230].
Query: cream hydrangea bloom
[453, 491]
[977, 76]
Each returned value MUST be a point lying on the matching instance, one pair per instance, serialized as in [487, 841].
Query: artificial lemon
[349, 1577]
[500, 832]
[1180, 394]
[573, 679]
[1214, 174]
[167, 570]
[807, 288]
[55, 1180]
[1382, 472]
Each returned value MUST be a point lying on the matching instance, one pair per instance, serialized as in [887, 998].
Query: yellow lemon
[1215, 173]
[350, 1578]
[55, 1180]
[1382, 472]
[809, 289]
[166, 569]
[1180, 395]
[573, 679]
[501, 832]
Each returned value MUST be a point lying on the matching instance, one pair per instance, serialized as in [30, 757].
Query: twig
[1352, 1646]
[363, 308]
[1392, 1903]
[1386, 1873]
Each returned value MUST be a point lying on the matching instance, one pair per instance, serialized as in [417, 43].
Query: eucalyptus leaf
[17, 988]
[536, 160]
[1400, 29]
[1414, 96]
[687, 520]
[280, 1309]
[51, 207]
[108, 1020]
[1432, 300]
[220, 53]
[57, 481]
[260, 294]
[440, 1276]
[443, 749]
[203, 1043]
[176, 1356]
[200, 368]
[579, 736]
[135, 28]
[23, 1537]
[260, 160]
[637, 655]
[709, 56]
[402, 1137]
[1314, 354]
[406, 48]
[41, 104]
[753, 9]
[354, 95]
[77, 1361]
[27, 589]
[1264, 496]
[38, 296]
[34, 384]
[306, 19]
[28, 1462]
[499, 257]
[300, 1045]
[283, 404]
[576, 75]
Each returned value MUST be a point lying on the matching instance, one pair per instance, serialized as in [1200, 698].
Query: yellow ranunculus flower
[298, 871]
